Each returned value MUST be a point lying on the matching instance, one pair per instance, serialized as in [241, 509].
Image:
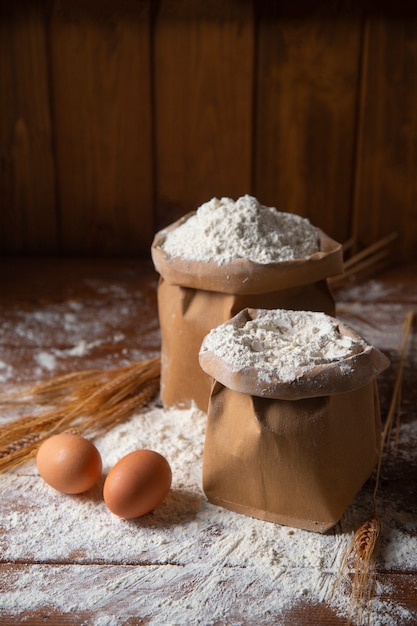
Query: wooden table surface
[41, 321]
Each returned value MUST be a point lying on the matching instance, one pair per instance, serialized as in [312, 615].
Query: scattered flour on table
[222, 230]
[281, 343]
[187, 563]
[5, 371]
[44, 335]
[46, 360]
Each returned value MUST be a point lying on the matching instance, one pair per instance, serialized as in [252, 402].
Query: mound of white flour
[282, 343]
[222, 230]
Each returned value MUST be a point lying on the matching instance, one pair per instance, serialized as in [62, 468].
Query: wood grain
[100, 60]
[117, 297]
[203, 103]
[307, 81]
[118, 117]
[27, 174]
[386, 194]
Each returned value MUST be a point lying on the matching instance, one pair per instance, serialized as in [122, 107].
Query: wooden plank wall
[118, 117]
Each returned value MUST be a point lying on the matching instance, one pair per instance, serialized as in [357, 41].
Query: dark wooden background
[118, 117]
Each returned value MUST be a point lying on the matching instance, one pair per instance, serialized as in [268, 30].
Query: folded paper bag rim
[321, 380]
[242, 276]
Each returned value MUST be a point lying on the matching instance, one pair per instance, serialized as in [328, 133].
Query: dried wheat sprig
[395, 403]
[370, 250]
[366, 259]
[92, 401]
[85, 393]
[114, 415]
[361, 553]
[17, 445]
[46, 391]
[367, 264]
[349, 243]
[363, 547]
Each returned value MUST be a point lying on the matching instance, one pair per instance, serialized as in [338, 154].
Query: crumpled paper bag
[295, 454]
[196, 296]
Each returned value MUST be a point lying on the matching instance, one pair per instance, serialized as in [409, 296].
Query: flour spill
[187, 562]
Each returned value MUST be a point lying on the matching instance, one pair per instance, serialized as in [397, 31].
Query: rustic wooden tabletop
[58, 316]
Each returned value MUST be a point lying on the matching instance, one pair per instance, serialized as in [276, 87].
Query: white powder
[281, 343]
[5, 371]
[46, 360]
[188, 562]
[222, 230]
[36, 339]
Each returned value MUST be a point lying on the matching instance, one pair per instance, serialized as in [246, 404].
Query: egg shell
[69, 463]
[137, 483]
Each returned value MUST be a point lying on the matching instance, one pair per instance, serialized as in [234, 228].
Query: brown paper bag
[297, 460]
[194, 297]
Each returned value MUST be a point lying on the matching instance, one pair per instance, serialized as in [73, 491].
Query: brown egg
[69, 463]
[137, 483]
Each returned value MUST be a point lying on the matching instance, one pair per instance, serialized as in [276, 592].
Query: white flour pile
[222, 230]
[187, 563]
[282, 344]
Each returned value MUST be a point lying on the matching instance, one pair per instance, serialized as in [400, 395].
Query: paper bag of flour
[221, 259]
[293, 426]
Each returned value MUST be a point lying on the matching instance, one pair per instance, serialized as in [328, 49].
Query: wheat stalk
[363, 547]
[371, 250]
[395, 404]
[90, 401]
[365, 259]
[362, 551]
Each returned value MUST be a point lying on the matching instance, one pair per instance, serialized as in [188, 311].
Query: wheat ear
[90, 401]
[363, 547]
